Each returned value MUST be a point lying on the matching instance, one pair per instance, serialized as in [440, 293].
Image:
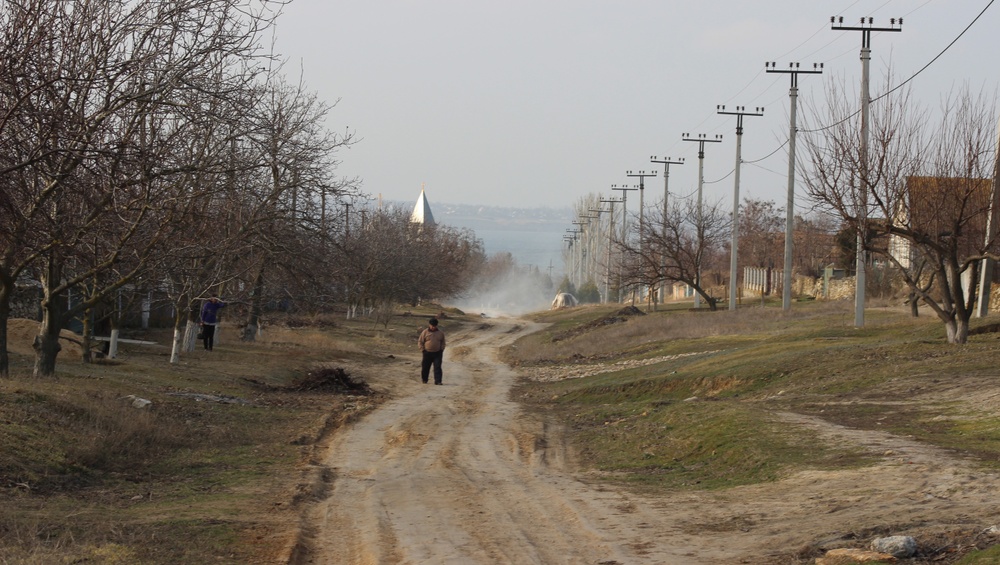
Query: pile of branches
[334, 380]
[330, 379]
[618, 317]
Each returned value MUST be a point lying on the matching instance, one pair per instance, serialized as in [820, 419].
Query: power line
[768, 155]
[914, 75]
[722, 179]
[931, 62]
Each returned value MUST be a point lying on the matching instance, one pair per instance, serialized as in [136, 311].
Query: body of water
[540, 249]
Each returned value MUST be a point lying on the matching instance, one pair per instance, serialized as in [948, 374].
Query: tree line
[921, 189]
[148, 145]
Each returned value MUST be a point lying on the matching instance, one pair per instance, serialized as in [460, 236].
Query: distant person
[209, 319]
[431, 343]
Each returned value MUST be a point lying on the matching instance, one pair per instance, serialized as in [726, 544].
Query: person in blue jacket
[209, 318]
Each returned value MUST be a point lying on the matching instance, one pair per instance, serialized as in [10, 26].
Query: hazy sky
[536, 103]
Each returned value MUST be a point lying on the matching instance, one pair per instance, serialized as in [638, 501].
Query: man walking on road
[431, 343]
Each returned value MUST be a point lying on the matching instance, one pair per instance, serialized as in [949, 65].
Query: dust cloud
[513, 291]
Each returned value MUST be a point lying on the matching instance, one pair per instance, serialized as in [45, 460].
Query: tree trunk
[191, 336]
[253, 313]
[914, 305]
[85, 339]
[5, 292]
[188, 337]
[46, 343]
[175, 344]
[175, 347]
[709, 300]
[957, 330]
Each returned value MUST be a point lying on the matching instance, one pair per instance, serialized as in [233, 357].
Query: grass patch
[214, 470]
[688, 400]
[988, 556]
[704, 445]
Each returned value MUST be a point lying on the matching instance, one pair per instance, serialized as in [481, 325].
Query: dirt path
[457, 474]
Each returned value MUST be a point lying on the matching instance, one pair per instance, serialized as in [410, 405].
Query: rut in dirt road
[456, 474]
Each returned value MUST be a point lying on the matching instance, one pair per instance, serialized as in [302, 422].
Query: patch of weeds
[989, 556]
[702, 444]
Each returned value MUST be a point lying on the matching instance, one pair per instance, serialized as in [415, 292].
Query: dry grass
[682, 420]
[644, 332]
[308, 338]
[212, 471]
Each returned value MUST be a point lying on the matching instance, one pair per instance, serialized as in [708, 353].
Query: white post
[986, 274]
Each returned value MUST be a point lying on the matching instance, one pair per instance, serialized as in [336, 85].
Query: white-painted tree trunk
[190, 337]
[175, 348]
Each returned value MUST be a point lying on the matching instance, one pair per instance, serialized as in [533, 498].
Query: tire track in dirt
[458, 474]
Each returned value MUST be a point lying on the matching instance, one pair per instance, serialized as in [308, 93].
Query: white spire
[422, 211]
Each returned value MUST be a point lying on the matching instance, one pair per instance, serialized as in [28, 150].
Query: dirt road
[457, 474]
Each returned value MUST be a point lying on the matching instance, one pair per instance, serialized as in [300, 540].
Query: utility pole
[642, 188]
[570, 239]
[992, 230]
[793, 94]
[701, 139]
[611, 230]
[586, 272]
[583, 250]
[642, 232]
[866, 29]
[625, 190]
[740, 113]
[666, 162]
[597, 243]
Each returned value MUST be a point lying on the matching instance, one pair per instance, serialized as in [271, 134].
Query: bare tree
[814, 243]
[389, 260]
[297, 161]
[678, 248]
[761, 227]
[90, 166]
[928, 192]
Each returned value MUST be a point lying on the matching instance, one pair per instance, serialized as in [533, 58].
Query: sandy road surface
[457, 474]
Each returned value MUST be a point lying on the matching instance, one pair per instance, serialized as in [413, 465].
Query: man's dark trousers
[431, 358]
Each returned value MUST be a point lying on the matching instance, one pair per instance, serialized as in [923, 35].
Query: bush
[588, 293]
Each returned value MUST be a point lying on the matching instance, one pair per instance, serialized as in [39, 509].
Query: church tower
[422, 211]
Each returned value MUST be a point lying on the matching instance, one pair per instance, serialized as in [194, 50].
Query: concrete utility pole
[611, 231]
[587, 271]
[866, 29]
[701, 139]
[642, 189]
[625, 190]
[992, 230]
[570, 238]
[582, 251]
[595, 257]
[666, 162]
[740, 113]
[793, 94]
